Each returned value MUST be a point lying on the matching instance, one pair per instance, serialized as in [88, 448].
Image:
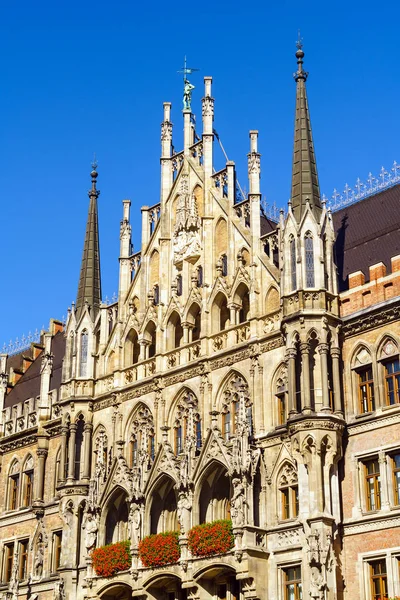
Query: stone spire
[89, 288]
[305, 184]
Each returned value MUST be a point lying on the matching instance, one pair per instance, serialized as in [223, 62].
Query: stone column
[87, 440]
[63, 453]
[208, 136]
[323, 350]
[337, 396]
[42, 455]
[166, 147]
[305, 377]
[71, 453]
[290, 357]
[385, 504]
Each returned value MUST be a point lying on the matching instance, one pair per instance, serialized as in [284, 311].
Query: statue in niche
[186, 240]
[91, 526]
[39, 557]
[59, 590]
[135, 519]
[184, 508]
[14, 579]
[237, 503]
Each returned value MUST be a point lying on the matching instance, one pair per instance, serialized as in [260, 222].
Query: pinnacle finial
[94, 191]
[300, 73]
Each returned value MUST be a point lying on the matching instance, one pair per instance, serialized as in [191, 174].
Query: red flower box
[108, 560]
[160, 549]
[211, 538]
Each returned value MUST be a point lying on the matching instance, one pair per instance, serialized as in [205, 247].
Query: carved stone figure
[184, 508]
[91, 526]
[59, 590]
[237, 503]
[135, 519]
[39, 557]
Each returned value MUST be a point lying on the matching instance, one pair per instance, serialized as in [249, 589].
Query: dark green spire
[89, 288]
[305, 184]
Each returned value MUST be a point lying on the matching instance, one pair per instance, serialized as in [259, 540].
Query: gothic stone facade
[235, 377]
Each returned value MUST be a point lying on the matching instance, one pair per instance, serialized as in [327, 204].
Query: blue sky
[83, 77]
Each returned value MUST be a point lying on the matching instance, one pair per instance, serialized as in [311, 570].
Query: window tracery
[187, 424]
[289, 492]
[141, 442]
[236, 408]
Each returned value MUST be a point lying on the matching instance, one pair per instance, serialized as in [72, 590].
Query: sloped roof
[29, 384]
[367, 232]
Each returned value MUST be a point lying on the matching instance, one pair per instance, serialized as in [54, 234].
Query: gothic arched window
[141, 442]
[187, 425]
[27, 482]
[309, 256]
[84, 354]
[236, 407]
[78, 446]
[289, 492]
[13, 486]
[293, 278]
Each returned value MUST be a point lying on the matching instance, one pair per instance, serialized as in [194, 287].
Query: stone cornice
[373, 422]
[376, 524]
[375, 317]
[18, 440]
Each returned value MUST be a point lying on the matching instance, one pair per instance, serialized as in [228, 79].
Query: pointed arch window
[293, 278]
[289, 493]
[141, 442]
[13, 490]
[187, 426]
[84, 354]
[27, 483]
[309, 260]
[79, 446]
[237, 408]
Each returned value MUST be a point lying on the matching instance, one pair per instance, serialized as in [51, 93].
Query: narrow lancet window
[309, 255]
[293, 263]
[84, 354]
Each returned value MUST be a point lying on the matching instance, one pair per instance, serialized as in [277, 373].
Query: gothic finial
[94, 191]
[300, 74]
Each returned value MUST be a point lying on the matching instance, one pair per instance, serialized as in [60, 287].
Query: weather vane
[299, 43]
[187, 86]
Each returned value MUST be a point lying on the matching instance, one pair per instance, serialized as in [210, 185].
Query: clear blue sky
[84, 77]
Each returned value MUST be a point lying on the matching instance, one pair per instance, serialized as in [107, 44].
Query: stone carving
[186, 241]
[59, 590]
[319, 561]
[238, 503]
[288, 538]
[184, 509]
[39, 557]
[91, 525]
[135, 520]
[14, 579]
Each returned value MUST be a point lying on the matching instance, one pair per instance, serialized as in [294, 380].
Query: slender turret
[305, 186]
[89, 288]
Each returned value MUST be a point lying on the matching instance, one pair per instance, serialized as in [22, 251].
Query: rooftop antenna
[187, 86]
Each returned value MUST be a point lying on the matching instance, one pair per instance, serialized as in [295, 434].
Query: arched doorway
[219, 582]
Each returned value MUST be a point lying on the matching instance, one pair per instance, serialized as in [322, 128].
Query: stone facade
[229, 380]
